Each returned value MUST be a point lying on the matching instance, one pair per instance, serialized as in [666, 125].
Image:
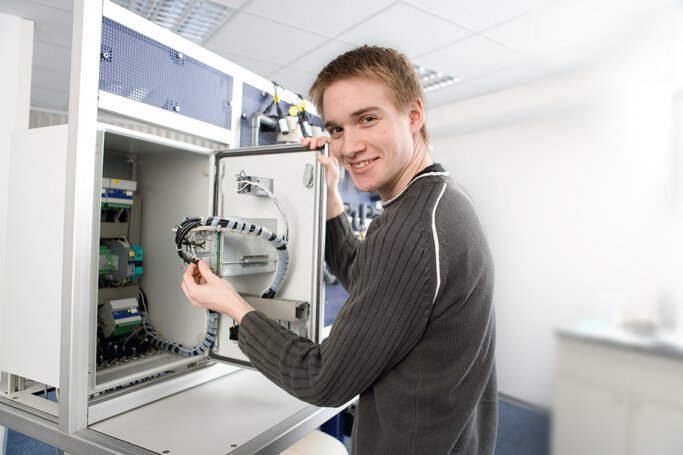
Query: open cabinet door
[281, 189]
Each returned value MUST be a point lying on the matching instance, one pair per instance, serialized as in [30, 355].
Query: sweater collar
[432, 169]
[436, 167]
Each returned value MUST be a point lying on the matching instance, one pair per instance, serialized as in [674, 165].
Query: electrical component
[257, 186]
[106, 261]
[116, 201]
[120, 261]
[120, 317]
[118, 192]
[137, 262]
[293, 130]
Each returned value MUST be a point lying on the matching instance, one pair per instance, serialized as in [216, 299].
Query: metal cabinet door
[295, 208]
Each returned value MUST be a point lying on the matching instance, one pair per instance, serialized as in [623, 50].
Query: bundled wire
[303, 117]
[282, 123]
[244, 181]
[166, 345]
[184, 245]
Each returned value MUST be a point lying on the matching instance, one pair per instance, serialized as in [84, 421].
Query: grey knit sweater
[416, 337]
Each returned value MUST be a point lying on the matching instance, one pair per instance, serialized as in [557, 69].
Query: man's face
[370, 137]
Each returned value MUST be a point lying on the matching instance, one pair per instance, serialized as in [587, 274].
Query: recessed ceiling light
[432, 80]
[195, 20]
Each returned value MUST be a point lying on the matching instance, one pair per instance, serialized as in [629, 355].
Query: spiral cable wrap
[240, 227]
[166, 345]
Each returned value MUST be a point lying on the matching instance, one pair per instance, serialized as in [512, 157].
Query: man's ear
[416, 113]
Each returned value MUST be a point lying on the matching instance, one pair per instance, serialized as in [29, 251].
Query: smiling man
[416, 337]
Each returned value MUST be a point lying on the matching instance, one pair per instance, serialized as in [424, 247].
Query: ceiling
[488, 44]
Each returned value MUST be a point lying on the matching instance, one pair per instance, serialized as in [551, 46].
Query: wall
[16, 47]
[578, 180]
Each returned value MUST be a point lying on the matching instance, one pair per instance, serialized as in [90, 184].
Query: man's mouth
[362, 164]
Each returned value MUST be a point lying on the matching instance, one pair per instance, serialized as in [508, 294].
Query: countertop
[653, 342]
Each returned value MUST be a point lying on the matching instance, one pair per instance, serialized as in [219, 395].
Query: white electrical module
[120, 317]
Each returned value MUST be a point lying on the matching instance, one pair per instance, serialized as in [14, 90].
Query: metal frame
[79, 213]
[48, 431]
[91, 442]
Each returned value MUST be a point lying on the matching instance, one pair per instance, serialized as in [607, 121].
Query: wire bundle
[240, 227]
[171, 346]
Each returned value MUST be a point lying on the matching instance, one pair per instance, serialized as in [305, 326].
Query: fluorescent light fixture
[195, 20]
[432, 80]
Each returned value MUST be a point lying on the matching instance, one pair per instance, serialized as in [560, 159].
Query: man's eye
[336, 130]
[368, 119]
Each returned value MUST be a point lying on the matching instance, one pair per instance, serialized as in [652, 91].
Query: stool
[316, 443]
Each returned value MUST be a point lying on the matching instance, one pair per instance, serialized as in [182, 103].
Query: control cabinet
[174, 184]
[145, 187]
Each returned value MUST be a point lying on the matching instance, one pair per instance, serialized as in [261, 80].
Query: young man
[416, 338]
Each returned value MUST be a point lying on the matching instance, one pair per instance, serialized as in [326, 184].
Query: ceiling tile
[325, 18]
[230, 3]
[516, 75]
[261, 38]
[470, 58]
[423, 33]
[558, 28]
[451, 94]
[316, 59]
[602, 24]
[481, 14]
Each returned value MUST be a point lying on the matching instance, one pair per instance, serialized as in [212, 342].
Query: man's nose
[352, 143]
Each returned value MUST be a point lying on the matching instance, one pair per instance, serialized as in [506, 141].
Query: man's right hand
[335, 205]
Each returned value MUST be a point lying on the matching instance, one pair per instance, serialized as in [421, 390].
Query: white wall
[16, 47]
[578, 180]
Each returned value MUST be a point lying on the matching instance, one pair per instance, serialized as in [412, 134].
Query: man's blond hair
[375, 63]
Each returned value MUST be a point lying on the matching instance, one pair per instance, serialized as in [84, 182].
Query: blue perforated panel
[137, 67]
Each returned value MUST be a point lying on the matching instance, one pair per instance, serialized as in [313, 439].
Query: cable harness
[185, 246]
[161, 343]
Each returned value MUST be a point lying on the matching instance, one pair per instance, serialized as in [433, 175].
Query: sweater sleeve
[340, 247]
[383, 318]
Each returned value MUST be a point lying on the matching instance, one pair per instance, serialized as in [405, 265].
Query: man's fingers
[314, 142]
[189, 271]
[204, 269]
[328, 161]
